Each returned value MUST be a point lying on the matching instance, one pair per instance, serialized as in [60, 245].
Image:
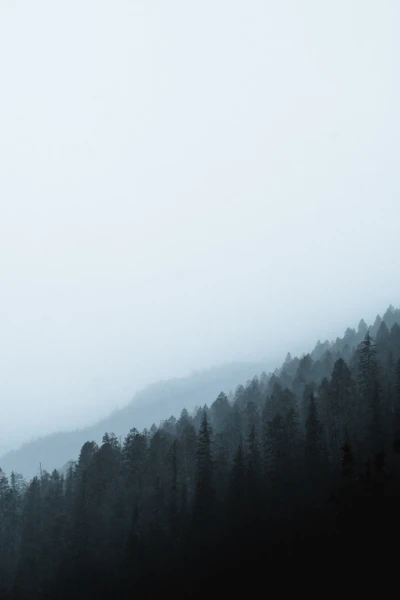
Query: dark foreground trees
[299, 473]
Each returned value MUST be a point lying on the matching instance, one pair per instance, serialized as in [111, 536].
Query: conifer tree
[370, 398]
[253, 468]
[205, 491]
[314, 440]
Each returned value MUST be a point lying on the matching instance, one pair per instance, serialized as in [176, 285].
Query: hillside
[159, 401]
[310, 452]
[150, 405]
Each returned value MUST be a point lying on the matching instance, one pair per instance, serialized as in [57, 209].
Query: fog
[186, 184]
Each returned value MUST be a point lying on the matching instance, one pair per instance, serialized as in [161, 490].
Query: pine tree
[362, 330]
[308, 391]
[187, 461]
[369, 398]
[237, 507]
[54, 524]
[133, 455]
[236, 431]
[5, 531]
[253, 467]
[367, 365]
[275, 450]
[174, 523]
[314, 440]
[303, 375]
[219, 412]
[205, 491]
[397, 393]
[292, 441]
[221, 465]
[30, 569]
[340, 415]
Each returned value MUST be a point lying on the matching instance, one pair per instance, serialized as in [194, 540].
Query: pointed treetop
[378, 321]
[368, 339]
[383, 332]
[288, 358]
[184, 414]
[362, 327]
[222, 398]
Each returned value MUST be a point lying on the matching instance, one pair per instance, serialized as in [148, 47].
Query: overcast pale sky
[184, 184]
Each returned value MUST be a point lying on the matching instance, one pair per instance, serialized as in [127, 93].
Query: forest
[297, 474]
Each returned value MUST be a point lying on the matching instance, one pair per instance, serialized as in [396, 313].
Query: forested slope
[150, 405]
[298, 471]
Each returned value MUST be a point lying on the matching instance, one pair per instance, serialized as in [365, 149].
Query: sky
[184, 184]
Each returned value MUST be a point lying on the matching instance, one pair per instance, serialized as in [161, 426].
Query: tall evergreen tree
[341, 416]
[397, 392]
[205, 491]
[369, 398]
[314, 450]
[253, 468]
[237, 490]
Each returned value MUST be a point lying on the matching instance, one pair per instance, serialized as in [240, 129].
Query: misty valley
[295, 469]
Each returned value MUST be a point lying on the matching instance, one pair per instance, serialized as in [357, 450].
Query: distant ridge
[157, 402]
[154, 403]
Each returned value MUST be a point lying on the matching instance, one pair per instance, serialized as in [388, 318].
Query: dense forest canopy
[293, 468]
[152, 404]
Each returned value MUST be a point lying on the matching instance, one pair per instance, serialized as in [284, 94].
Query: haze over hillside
[185, 184]
[252, 478]
[151, 405]
[199, 201]
[160, 401]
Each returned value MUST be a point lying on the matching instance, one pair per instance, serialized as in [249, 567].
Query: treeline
[300, 469]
